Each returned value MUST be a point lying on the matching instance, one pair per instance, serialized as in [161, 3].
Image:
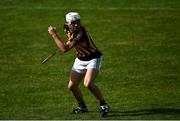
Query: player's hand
[52, 30]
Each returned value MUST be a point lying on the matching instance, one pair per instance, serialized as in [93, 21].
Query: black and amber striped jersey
[83, 44]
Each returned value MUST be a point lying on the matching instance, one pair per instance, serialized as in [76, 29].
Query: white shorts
[81, 66]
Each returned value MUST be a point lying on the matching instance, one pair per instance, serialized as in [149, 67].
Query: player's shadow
[140, 112]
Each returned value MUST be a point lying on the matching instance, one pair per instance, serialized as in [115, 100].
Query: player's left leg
[88, 82]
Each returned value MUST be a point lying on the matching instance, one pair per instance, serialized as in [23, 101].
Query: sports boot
[80, 110]
[104, 110]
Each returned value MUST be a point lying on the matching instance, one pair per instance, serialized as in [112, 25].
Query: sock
[103, 102]
[82, 104]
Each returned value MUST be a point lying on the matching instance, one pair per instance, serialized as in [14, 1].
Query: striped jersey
[83, 45]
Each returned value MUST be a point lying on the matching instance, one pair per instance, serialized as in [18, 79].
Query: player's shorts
[81, 66]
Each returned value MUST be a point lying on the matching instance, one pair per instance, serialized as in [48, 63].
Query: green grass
[141, 67]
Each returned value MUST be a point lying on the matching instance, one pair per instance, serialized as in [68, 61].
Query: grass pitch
[141, 68]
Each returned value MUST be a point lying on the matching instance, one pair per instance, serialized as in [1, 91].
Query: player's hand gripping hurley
[52, 31]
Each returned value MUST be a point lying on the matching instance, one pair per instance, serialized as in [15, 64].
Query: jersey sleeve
[68, 33]
[66, 28]
[78, 37]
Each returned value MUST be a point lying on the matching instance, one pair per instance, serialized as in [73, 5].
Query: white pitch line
[86, 8]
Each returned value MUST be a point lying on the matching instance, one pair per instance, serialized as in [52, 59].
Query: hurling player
[86, 64]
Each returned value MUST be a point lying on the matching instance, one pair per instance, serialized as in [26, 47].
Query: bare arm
[64, 47]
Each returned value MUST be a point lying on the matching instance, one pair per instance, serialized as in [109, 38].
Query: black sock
[103, 102]
[82, 104]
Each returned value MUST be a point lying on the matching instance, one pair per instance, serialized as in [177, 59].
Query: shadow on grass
[164, 111]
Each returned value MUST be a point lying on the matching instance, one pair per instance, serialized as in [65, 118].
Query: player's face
[73, 26]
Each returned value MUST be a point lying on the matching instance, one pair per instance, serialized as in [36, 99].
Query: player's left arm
[77, 36]
[74, 39]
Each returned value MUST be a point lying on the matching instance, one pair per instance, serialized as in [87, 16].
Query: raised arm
[64, 47]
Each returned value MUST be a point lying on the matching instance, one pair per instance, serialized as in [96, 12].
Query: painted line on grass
[85, 8]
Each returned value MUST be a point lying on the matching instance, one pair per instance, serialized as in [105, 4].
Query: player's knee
[88, 85]
[72, 86]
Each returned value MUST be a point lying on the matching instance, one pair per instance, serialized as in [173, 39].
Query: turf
[141, 68]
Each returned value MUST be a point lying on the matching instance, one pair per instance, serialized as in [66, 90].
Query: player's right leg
[75, 79]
